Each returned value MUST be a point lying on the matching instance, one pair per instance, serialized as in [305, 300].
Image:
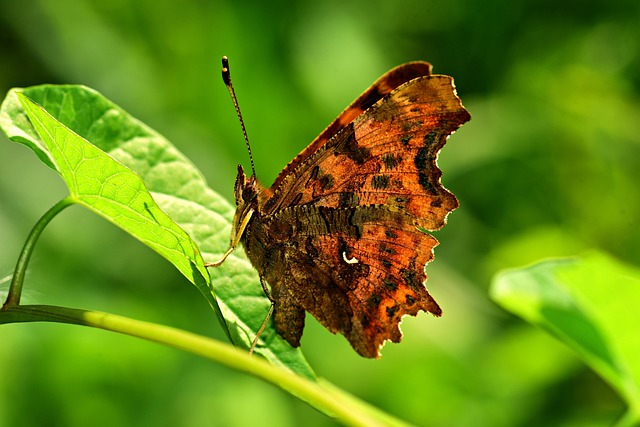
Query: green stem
[321, 395]
[15, 289]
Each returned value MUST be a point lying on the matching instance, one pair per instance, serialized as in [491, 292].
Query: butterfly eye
[249, 191]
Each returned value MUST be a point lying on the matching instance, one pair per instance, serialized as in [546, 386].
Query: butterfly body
[340, 232]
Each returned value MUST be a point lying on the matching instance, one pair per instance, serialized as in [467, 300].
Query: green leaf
[100, 175]
[591, 305]
[115, 192]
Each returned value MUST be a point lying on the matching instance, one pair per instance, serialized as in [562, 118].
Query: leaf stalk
[15, 288]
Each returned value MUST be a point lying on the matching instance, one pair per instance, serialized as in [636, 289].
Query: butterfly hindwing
[357, 271]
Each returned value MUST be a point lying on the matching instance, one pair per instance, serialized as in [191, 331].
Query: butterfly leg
[266, 319]
[236, 235]
[221, 260]
[266, 290]
[262, 328]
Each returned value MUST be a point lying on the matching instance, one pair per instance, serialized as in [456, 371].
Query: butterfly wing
[357, 271]
[385, 156]
[378, 90]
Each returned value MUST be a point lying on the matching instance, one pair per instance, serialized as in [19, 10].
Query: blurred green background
[548, 166]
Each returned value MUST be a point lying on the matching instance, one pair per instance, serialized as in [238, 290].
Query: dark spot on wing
[425, 181]
[423, 159]
[315, 172]
[391, 160]
[390, 234]
[386, 249]
[374, 300]
[347, 145]
[390, 284]
[410, 276]
[430, 138]
[391, 311]
[380, 182]
[326, 182]
[365, 321]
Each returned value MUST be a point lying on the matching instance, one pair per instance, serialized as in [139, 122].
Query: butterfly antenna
[226, 77]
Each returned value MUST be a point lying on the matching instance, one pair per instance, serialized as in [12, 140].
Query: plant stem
[15, 289]
[321, 395]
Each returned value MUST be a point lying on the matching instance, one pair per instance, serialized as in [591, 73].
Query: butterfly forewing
[386, 156]
[378, 90]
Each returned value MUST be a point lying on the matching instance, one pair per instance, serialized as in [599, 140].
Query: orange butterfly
[340, 232]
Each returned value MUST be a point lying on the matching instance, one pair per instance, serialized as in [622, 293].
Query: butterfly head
[246, 189]
[246, 193]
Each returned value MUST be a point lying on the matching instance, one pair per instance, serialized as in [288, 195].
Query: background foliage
[548, 166]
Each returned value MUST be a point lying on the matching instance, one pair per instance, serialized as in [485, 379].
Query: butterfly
[341, 233]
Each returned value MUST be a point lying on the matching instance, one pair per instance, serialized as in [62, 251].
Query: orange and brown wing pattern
[378, 90]
[357, 271]
[386, 156]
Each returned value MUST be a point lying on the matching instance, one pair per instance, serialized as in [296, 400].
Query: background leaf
[114, 191]
[588, 304]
